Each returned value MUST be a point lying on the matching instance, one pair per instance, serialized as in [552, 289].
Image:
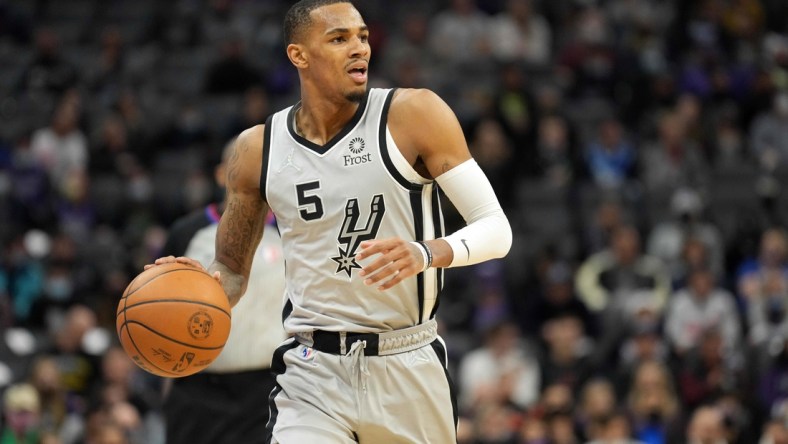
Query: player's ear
[298, 55]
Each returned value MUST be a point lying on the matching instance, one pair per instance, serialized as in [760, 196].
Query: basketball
[173, 320]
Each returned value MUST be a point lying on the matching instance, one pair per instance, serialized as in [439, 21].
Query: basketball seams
[180, 301]
[164, 273]
[185, 344]
[133, 343]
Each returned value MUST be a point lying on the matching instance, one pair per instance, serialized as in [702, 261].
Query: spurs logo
[351, 235]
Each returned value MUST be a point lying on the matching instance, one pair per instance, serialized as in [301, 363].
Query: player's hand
[182, 260]
[398, 260]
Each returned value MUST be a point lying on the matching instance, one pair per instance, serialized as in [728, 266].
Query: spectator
[610, 158]
[672, 161]
[556, 159]
[231, 73]
[520, 35]
[644, 343]
[669, 238]
[598, 404]
[502, 371]
[565, 359]
[59, 414]
[460, 34]
[255, 109]
[706, 427]
[769, 134]
[21, 410]
[606, 278]
[61, 148]
[556, 298]
[762, 282]
[698, 308]
[615, 429]
[407, 57]
[709, 371]
[608, 216]
[653, 405]
[48, 72]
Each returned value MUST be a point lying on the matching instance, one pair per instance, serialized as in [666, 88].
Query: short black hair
[297, 17]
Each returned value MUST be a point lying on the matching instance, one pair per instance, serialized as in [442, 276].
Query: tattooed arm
[241, 226]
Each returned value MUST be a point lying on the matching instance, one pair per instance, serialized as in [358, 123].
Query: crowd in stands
[638, 147]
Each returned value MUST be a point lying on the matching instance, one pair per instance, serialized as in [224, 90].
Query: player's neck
[319, 119]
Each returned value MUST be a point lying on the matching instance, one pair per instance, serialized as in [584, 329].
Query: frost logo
[356, 147]
[351, 235]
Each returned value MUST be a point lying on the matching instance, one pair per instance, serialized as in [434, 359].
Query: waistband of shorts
[376, 344]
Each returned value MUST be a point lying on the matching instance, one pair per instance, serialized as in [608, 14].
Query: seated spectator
[61, 148]
[709, 371]
[555, 299]
[667, 240]
[460, 34]
[565, 358]
[606, 278]
[770, 267]
[408, 58]
[502, 371]
[653, 405]
[644, 343]
[615, 429]
[231, 73]
[519, 34]
[598, 404]
[48, 71]
[556, 160]
[61, 413]
[699, 307]
[609, 216]
[672, 161]
[706, 427]
[772, 377]
[774, 432]
[610, 158]
[21, 415]
[769, 134]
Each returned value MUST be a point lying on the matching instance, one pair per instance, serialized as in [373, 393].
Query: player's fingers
[164, 260]
[188, 261]
[398, 277]
[382, 273]
[375, 246]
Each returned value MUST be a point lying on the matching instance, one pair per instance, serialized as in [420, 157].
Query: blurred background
[639, 148]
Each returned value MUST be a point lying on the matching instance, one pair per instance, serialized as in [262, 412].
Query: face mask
[58, 288]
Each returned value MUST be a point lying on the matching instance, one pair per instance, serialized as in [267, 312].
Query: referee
[227, 403]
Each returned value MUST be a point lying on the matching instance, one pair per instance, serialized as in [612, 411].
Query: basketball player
[352, 176]
[228, 402]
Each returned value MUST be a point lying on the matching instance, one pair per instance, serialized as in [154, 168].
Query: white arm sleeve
[488, 234]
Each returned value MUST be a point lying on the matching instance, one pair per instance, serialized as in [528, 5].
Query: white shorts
[320, 397]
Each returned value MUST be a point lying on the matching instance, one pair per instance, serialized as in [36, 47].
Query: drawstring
[359, 362]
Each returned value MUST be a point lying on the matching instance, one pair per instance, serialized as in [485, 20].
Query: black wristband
[428, 251]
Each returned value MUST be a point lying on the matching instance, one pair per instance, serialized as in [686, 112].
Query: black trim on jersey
[278, 367]
[339, 136]
[437, 223]
[384, 149]
[418, 229]
[440, 350]
[266, 156]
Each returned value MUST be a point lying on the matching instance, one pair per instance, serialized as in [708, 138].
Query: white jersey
[327, 200]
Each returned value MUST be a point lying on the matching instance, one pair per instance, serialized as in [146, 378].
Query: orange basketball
[173, 320]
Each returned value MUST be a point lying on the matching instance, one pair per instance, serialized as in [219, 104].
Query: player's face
[338, 45]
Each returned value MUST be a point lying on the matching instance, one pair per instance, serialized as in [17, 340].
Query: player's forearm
[488, 234]
[233, 283]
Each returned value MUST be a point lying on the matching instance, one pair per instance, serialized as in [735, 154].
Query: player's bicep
[428, 124]
[241, 226]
